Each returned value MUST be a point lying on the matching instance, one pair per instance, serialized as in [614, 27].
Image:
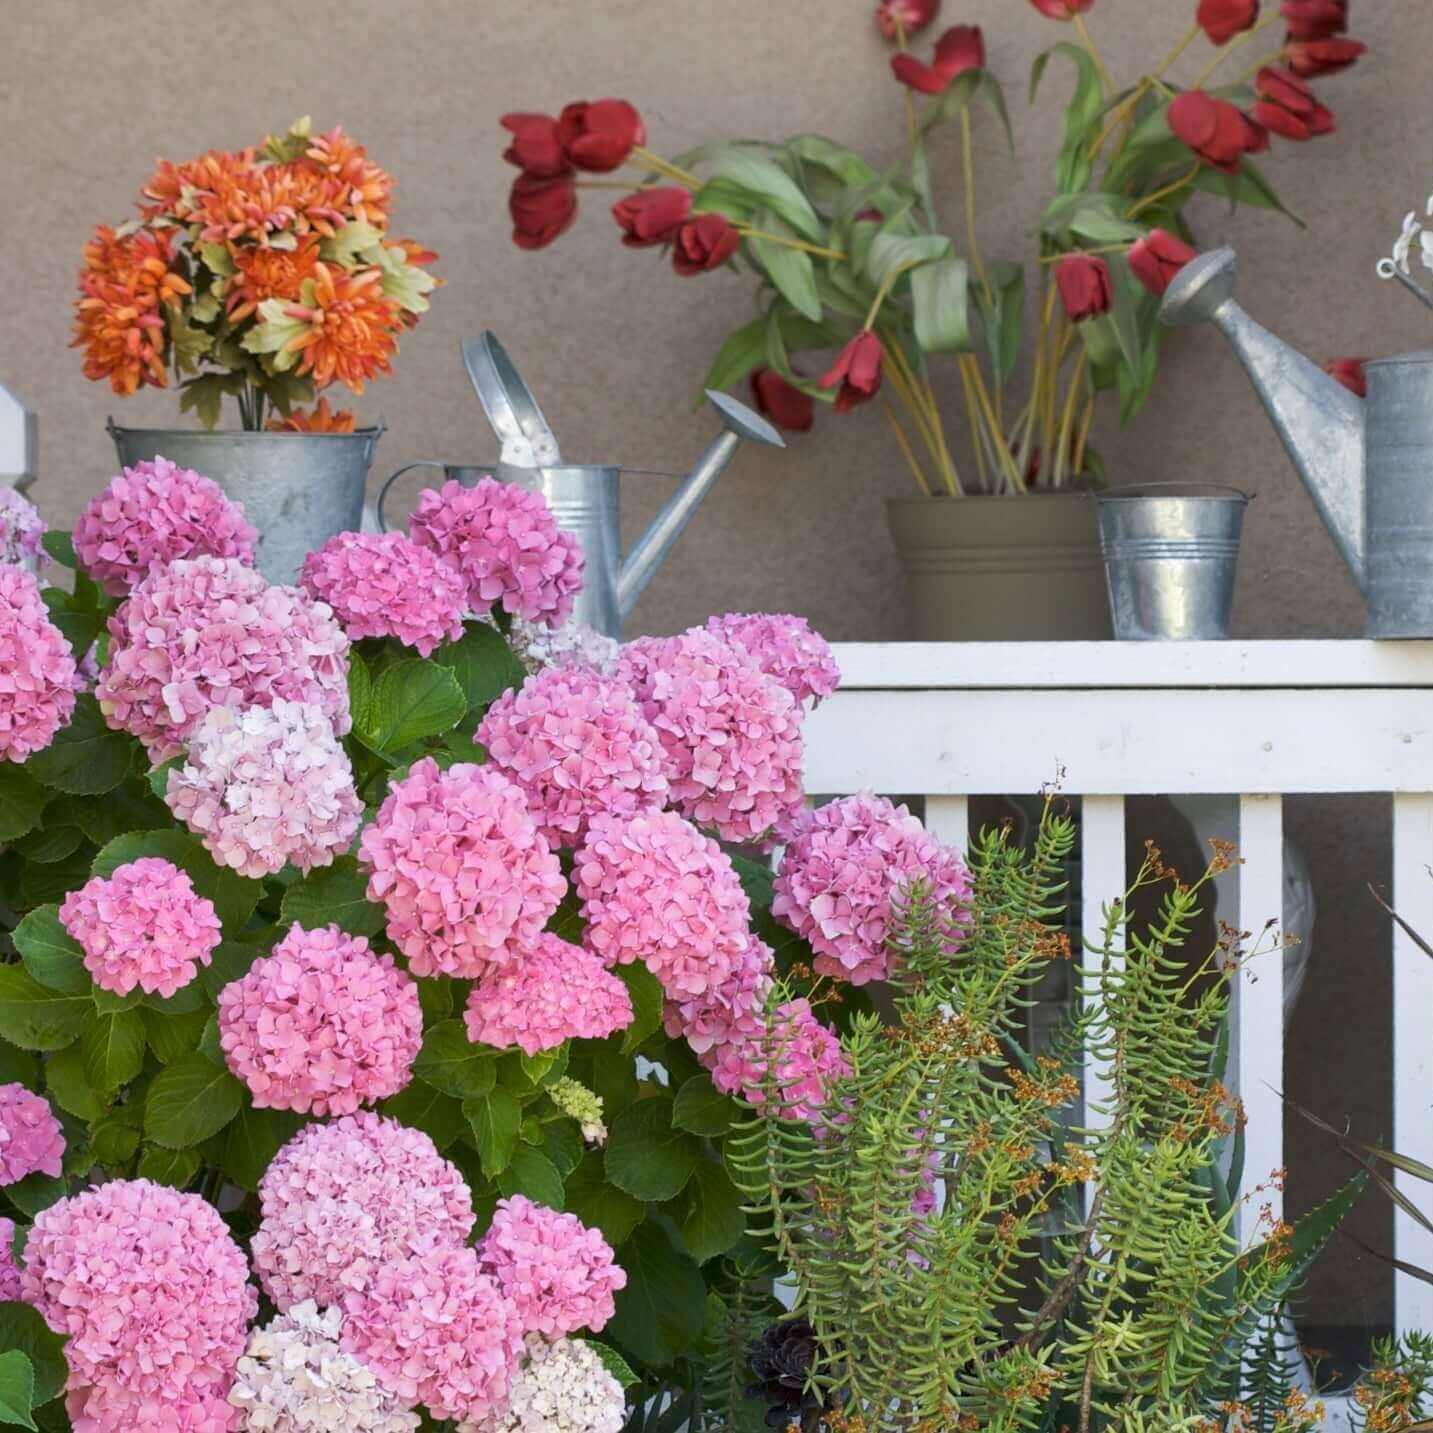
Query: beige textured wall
[615, 345]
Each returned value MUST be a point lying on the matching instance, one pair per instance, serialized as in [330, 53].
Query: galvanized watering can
[1368, 465]
[585, 498]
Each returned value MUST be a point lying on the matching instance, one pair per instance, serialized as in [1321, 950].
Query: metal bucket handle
[393, 478]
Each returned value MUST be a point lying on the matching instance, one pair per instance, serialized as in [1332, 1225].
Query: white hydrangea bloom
[574, 644]
[294, 1378]
[561, 1388]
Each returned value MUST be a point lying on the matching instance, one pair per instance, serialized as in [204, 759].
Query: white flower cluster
[1413, 230]
[294, 1378]
[561, 1388]
[581, 1104]
[574, 644]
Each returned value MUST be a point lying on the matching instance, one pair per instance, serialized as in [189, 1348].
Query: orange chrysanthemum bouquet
[263, 274]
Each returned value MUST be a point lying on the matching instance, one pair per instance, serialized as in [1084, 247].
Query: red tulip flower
[961, 48]
[1062, 9]
[905, 17]
[1086, 289]
[652, 216]
[1221, 20]
[704, 242]
[1349, 372]
[856, 371]
[541, 209]
[599, 136]
[1287, 106]
[1310, 58]
[1157, 258]
[788, 407]
[1218, 132]
[1315, 19]
[535, 148]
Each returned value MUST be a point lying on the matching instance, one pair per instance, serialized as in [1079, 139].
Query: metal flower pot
[298, 489]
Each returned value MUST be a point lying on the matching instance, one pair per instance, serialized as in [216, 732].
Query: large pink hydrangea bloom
[797, 1052]
[438, 1331]
[151, 514]
[207, 632]
[108, 1408]
[547, 992]
[731, 734]
[31, 1141]
[37, 669]
[386, 585]
[266, 786]
[144, 925]
[10, 1286]
[322, 1025]
[341, 1201]
[150, 1289]
[22, 529]
[842, 868]
[559, 1274]
[460, 868]
[786, 648]
[507, 545]
[654, 889]
[733, 1009]
[577, 745]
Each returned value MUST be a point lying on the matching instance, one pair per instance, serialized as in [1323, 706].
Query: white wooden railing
[1252, 722]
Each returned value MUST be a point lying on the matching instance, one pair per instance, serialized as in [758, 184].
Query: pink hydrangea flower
[10, 1291]
[31, 1141]
[37, 669]
[341, 1201]
[654, 889]
[507, 545]
[322, 1025]
[786, 648]
[438, 1331]
[151, 514]
[21, 528]
[547, 992]
[386, 585]
[144, 925]
[577, 745]
[559, 1274]
[574, 644]
[461, 869]
[207, 632]
[842, 868]
[267, 786]
[107, 1409]
[733, 1009]
[807, 1059]
[150, 1288]
[732, 735]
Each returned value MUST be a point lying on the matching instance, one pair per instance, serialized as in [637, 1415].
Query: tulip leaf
[941, 298]
[1072, 172]
[771, 187]
[1248, 186]
[741, 353]
[1002, 316]
[790, 270]
[890, 252]
[727, 198]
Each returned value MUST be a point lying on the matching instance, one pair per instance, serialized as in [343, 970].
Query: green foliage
[1396, 1393]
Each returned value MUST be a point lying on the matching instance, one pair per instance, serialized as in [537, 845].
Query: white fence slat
[1412, 1049]
[1257, 1037]
[947, 818]
[1102, 881]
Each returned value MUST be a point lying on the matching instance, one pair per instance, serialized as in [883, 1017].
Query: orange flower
[348, 327]
[269, 274]
[321, 420]
[176, 188]
[366, 188]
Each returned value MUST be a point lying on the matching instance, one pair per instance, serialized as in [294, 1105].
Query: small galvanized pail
[1171, 554]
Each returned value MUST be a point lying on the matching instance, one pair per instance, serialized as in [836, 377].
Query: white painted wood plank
[1257, 1039]
[1126, 742]
[947, 818]
[1413, 1049]
[1102, 882]
[1076, 665]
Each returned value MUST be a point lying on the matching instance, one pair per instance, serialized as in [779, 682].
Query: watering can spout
[647, 555]
[1319, 422]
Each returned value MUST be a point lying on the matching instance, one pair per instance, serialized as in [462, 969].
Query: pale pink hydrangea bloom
[207, 632]
[577, 746]
[574, 644]
[507, 545]
[31, 1141]
[545, 993]
[37, 669]
[559, 1274]
[842, 868]
[144, 925]
[151, 514]
[461, 869]
[151, 1290]
[322, 1025]
[786, 648]
[654, 889]
[733, 1010]
[732, 735]
[438, 1331]
[807, 1055]
[10, 1292]
[341, 1201]
[21, 528]
[266, 786]
[109, 1409]
[386, 585]
[562, 1387]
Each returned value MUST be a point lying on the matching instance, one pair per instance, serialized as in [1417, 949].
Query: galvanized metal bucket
[1171, 556]
[298, 489]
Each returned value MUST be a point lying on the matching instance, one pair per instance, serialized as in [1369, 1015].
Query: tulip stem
[923, 400]
[1236, 43]
[1161, 194]
[1082, 30]
[1127, 106]
[1067, 424]
[1269, 58]
[967, 164]
[792, 244]
[1103, 249]
[1084, 436]
[665, 166]
[904, 444]
[977, 429]
[885, 287]
[926, 422]
[622, 184]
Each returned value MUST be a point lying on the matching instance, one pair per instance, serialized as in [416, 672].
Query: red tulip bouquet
[854, 263]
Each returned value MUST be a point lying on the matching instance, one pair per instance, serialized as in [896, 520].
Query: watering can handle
[393, 478]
